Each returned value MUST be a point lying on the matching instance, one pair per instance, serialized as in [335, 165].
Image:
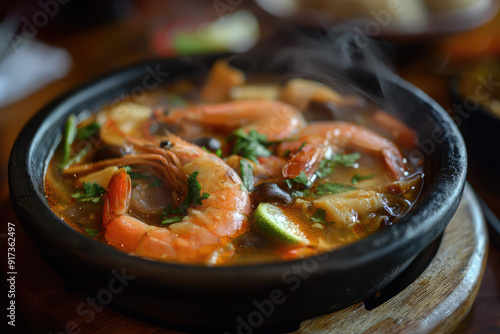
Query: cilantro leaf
[246, 173]
[319, 216]
[301, 178]
[251, 145]
[301, 193]
[92, 232]
[174, 219]
[193, 197]
[333, 188]
[327, 166]
[218, 153]
[91, 193]
[88, 131]
[348, 160]
[287, 152]
[357, 177]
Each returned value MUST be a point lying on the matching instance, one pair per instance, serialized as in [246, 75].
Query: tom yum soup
[234, 172]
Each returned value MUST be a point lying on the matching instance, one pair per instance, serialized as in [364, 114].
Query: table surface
[113, 45]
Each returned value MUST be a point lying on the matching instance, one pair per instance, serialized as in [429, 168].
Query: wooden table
[110, 46]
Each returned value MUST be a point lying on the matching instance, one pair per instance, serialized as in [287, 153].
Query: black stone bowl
[241, 298]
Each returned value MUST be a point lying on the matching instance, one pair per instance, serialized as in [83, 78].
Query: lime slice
[272, 222]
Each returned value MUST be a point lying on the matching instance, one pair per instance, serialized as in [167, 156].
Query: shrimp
[316, 139]
[206, 228]
[277, 120]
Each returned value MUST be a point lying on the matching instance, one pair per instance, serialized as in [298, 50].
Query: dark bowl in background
[480, 128]
[262, 294]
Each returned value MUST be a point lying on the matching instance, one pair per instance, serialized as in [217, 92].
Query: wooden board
[439, 299]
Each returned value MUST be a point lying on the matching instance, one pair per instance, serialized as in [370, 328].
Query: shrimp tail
[117, 197]
[307, 160]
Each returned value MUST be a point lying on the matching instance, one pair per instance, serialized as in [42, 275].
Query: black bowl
[241, 297]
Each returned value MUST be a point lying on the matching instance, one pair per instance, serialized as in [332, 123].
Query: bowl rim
[443, 194]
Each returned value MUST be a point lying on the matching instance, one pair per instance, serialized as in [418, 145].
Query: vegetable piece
[246, 170]
[79, 156]
[91, 193]
[357, 177]
[254, 92]
[88, 131]
[298, 92]
[271, 193]
[251, 145]
[333, 188]
[347, 209]
[193, 197]
[68, 139]
[220, 80]
[275, 225]
[100, 177]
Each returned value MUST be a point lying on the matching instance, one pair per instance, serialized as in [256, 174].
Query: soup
[238, 171]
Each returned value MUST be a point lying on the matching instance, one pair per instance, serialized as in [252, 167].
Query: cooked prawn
[277, 120]
[206, 227]
[316, 139]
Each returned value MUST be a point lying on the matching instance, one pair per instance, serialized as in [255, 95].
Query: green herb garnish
[246, 170]
[68, 139]
[251, 145]
[333, 188]
[301, 178]
[79, 156]
[301, 193]
[88, 131]
[357, 177]
[327, 166]
[193, 197]
[91, 193]
[174, 219]
[319, 216]
[91, 232]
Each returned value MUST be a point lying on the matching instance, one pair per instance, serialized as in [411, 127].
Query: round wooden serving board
[438, 300]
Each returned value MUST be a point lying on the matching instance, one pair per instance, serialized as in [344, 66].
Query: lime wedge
[274, 224]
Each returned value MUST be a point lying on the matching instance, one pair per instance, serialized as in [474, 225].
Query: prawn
[316, 139]
[207, 227]
[275, 119]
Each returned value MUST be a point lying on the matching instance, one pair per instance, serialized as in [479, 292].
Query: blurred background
[448, 48]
